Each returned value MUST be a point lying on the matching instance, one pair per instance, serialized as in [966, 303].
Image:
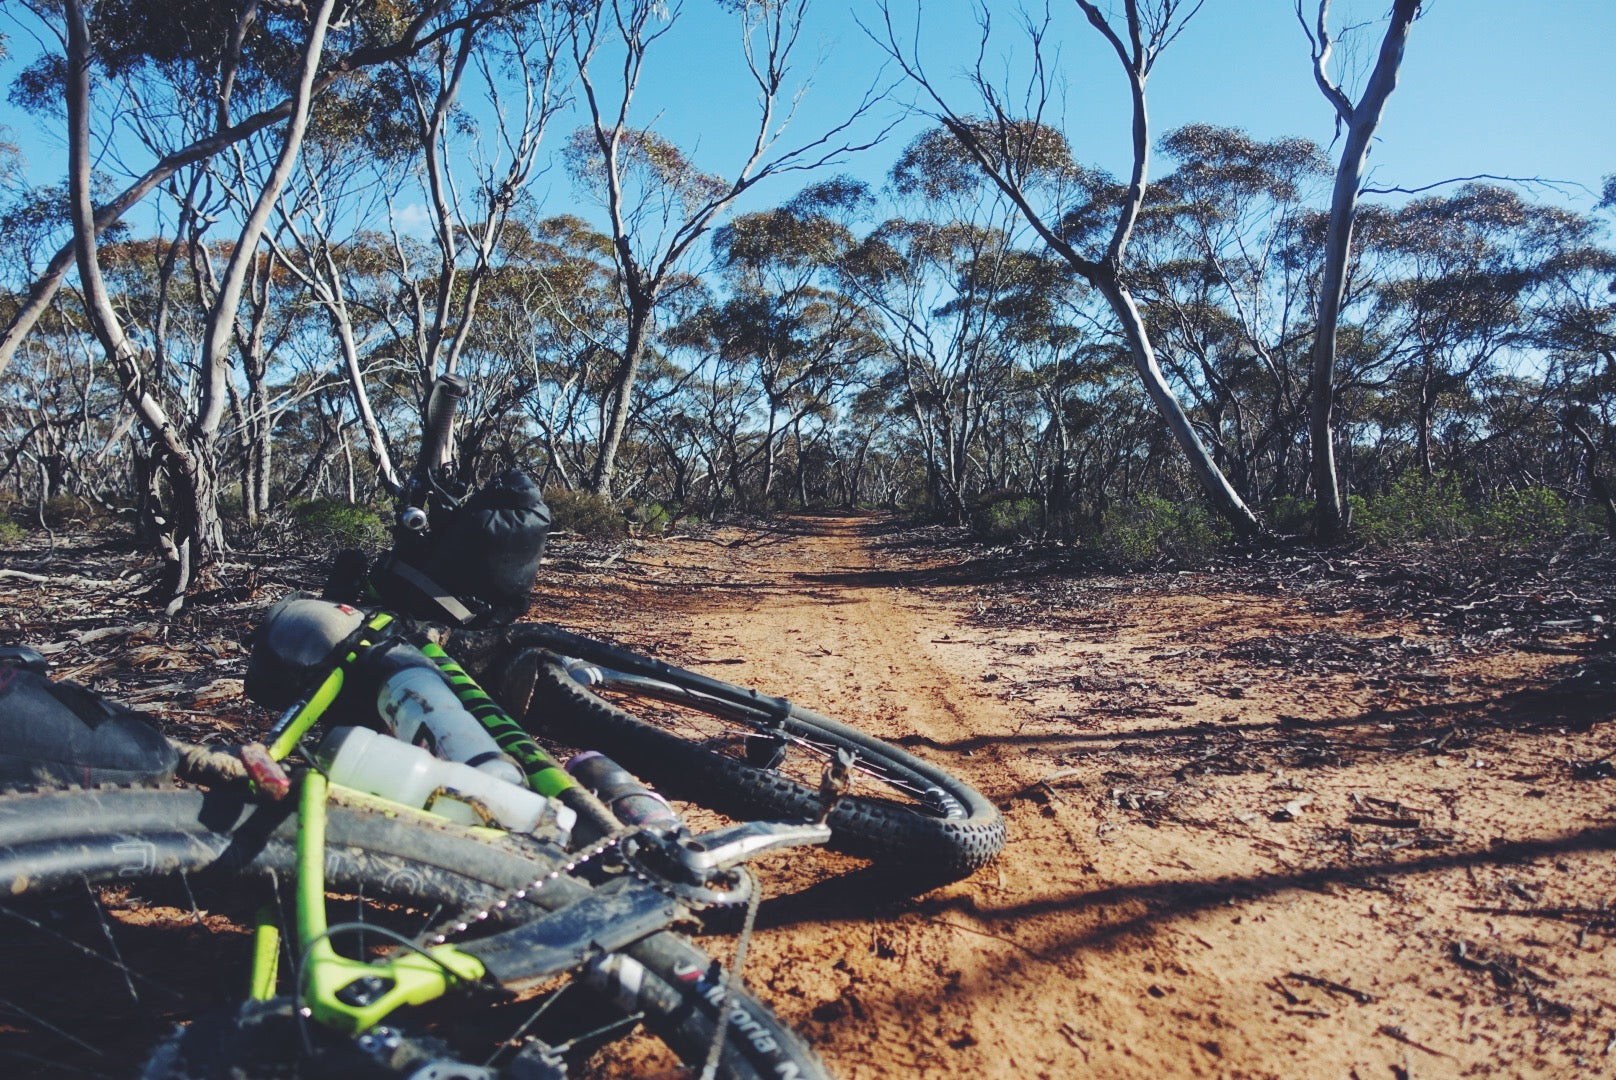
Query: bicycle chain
[572, 863]
[694, 897]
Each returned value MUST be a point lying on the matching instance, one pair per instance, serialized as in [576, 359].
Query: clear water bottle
[420, 707]
[381, 765]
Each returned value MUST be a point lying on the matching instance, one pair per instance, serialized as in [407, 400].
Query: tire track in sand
[958, 981]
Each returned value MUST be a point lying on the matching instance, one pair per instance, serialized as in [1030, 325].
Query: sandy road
[882, 985]
[1105, 942]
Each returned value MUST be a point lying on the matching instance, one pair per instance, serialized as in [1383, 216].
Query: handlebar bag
[491, 548]
[61, 733]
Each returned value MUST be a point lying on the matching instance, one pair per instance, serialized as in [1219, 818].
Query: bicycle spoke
[84, 950]
[106, 933]
[34, 1018]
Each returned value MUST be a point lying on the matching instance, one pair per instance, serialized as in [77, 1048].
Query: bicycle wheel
[745, 754]
[130, 910]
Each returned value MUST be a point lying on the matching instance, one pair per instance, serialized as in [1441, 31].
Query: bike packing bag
[64, 734]
[479, 561]
[294, 646]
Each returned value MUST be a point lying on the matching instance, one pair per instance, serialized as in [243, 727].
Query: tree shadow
[881, 890]
[1529, 711]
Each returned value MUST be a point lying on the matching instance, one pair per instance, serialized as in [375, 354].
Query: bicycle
[723, 746]
[553, 949]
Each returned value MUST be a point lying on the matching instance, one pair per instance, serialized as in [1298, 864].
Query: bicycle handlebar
[441, 403]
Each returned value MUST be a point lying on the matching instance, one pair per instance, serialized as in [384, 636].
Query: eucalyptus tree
[228, 59]
[935, 282]
[187, 528]
[1360, 119]
[193, 67]
[658, 202]
[1467, 274]
[1577, 330]
[798, 337]
[455, 128]
[1086, 223]
[1226, 267]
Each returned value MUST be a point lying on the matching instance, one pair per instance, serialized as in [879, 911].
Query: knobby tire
[937, 843]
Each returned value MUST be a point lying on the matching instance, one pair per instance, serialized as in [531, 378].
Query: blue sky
[1511, 87]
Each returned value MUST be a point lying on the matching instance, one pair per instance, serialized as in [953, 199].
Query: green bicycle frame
[345, 994]
[295, 722]
[342, 993]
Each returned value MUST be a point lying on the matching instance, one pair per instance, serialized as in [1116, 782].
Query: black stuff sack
[477, 565]
[64, 734]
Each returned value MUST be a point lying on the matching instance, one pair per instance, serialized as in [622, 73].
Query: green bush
[1518, 519]
[334, 523]
[585, 513]
[1151, 529]
[653, 518]
[62, 511]
[1007, 515]
[1417, 507]
[11, 532]
[1292, 514]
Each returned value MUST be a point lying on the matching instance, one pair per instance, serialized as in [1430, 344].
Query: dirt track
[1259, 826]
[1249, 836]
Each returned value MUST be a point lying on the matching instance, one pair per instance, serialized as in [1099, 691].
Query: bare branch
[1523, 181]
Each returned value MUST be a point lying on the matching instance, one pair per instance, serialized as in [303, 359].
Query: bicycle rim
[763, 760]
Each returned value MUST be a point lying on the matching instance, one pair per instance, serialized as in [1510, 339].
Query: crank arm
[707, 854]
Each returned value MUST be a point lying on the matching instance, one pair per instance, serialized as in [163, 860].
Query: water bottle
[370, 761]
[420, 707]
[631, 801]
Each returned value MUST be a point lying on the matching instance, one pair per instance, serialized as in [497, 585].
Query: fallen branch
[1362, 997]
[1394, 1032]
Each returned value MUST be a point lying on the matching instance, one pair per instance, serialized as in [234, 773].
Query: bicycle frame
[342, 993]
[346, 994]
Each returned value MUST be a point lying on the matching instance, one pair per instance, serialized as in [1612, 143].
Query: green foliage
[1416, 508]
[653, 518]
[1292, 514]
[585, 513]
[1003, 516]
[1152, 529]
[1519, 519]
[59, 511]
[337, 524]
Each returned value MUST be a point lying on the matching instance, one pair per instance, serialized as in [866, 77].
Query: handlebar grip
[447, 390]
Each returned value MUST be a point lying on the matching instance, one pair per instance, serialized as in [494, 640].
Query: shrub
[656, 519]
[1152, 528]
[62, 511]
[334, 523]
[11, 532]
[1417, 507]
[1292, 514]
[1007, 515]
[585, 513]
[1518, 519]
